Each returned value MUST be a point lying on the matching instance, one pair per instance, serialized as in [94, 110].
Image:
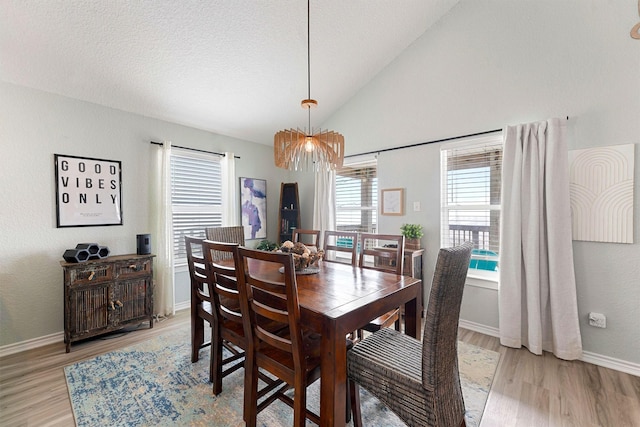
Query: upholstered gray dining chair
[230, 234]
[418, 381]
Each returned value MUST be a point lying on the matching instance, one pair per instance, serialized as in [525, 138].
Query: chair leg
[354, 393]
[300, 404]
[197, 337]
[250, 412]
[215, 370]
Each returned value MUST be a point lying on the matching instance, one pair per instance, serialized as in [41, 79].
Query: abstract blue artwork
[253, 205]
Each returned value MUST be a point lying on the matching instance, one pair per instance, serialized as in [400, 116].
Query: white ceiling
[234, 67]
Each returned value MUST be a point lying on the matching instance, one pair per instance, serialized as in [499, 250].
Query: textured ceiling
[234, 67]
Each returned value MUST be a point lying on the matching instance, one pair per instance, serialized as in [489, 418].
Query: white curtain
[229, 191]
[537, 293]
[162, 238]
[324, 201]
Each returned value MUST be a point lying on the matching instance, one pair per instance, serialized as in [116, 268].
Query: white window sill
[482, 279]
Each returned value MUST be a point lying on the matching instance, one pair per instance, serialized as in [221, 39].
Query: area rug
[154, 383]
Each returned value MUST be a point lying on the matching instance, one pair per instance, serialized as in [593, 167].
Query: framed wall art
[88, 191]
[253, 206]
[392, 201]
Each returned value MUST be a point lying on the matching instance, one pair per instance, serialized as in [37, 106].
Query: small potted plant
[267, 245]
[412, 234]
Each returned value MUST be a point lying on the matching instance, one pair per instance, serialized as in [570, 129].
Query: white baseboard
[55, 338]
[183, 305]
[587, 356]
[611, 363]
[477, 327]
[14, 348]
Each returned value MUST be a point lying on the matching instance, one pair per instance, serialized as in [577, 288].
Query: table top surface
[339, 289]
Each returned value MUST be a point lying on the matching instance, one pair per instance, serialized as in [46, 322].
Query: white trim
[587, 356]
[9, 349]
[481, 282]
[611, 363]
[477, 327]
[183, 305]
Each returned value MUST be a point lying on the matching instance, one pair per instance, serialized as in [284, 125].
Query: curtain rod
[428, 142]
[195, 149]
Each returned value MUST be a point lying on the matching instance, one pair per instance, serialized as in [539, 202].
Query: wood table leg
[412, 316]
[333, 380]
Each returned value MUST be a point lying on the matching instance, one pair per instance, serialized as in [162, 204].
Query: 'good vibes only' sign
[88, 191]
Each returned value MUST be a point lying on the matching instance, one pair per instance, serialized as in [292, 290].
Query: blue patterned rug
[154, 383]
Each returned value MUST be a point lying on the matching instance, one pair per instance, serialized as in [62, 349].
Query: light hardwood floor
[527, 390]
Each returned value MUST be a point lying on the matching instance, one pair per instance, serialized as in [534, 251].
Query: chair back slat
[439, 350]
[388, 258]
[341, 242]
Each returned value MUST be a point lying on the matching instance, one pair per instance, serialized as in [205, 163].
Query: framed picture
[392, 201]
[253, 206]
[88, 191]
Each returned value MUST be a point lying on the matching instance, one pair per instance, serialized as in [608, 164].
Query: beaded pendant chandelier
[295, 149]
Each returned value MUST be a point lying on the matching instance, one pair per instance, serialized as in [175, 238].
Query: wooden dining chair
[216, 300]
[341, 242]
[201, 299]
[230, 234]
[418, 380]
[227, 328]
[292, 353]
[382, 252]
[308, 237]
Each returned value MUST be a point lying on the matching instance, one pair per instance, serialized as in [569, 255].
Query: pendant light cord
[309, 63]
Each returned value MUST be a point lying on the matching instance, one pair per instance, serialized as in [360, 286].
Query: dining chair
[341, 242]
[227, 328]
[308, 237]
[293, 352]
[230, 234]
[386, 253]
[418, 380]
[214, 298]
[201, 299]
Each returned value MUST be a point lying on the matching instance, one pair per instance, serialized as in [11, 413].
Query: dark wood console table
[107, 294]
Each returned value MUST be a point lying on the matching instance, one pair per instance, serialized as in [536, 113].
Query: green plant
[412, 231]
[266, 245]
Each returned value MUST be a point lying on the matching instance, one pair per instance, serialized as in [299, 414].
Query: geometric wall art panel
[601, 184]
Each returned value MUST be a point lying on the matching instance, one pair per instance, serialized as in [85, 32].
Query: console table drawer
[90, 274]
[133, 268]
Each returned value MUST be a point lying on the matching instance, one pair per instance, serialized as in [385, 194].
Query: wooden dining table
[339, 299]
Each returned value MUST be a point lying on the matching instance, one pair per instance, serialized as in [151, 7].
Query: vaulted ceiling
[234, 67]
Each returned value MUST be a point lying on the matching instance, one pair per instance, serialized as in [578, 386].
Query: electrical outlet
[598, 320]
[416, 206]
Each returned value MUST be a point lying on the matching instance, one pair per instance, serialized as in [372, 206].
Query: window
[357, 196]
[470, 200]
[196, 196]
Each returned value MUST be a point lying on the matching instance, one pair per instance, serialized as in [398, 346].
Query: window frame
[365, 168]
[203, 209]
[493, 147]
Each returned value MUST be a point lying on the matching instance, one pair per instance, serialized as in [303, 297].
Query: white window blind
[196, 196]
[357, 195]
[470, 198]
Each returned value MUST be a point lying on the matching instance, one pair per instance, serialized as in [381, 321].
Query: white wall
[488, 64]
[34, 126]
